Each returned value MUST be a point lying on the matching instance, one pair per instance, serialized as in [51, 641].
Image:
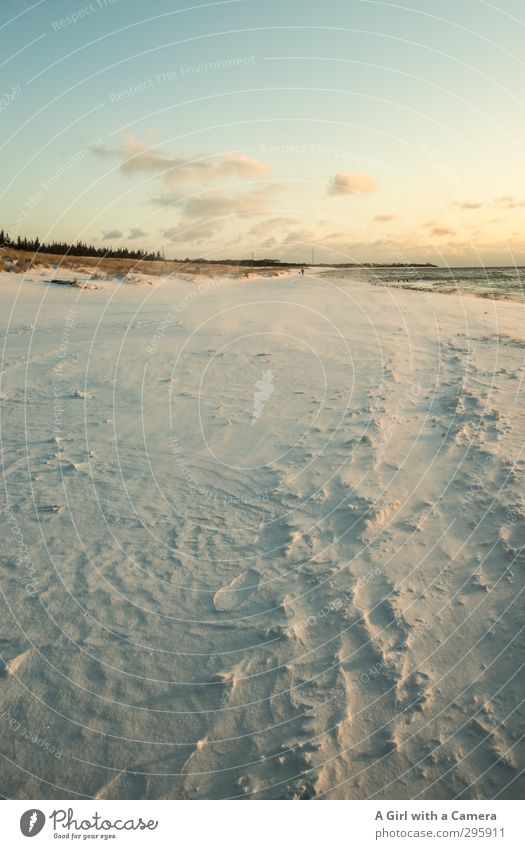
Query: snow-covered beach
[262, 539]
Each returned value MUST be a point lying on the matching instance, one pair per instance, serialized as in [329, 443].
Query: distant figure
[302, 272]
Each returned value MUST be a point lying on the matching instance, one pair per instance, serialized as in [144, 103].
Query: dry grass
[118, 267]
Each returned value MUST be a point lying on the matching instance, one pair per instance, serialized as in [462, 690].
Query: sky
[342, 130]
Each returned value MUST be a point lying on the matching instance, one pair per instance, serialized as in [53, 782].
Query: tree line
[78, 249]
[82, 249]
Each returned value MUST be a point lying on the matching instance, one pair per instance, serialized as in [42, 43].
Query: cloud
[204, 215]
[109, 235]
[278, 233]
[262, 228]
[299, 236]
[219, 204]
[138, 158]
[189, 231]
[384, 217]
[508, 202]
[438, 229]
[442, 231]
[136, 233]
[467, 205]
[350, 183]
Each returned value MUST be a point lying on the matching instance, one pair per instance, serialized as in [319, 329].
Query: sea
[501, 283]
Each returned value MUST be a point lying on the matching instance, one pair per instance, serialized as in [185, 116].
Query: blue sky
[370, 131]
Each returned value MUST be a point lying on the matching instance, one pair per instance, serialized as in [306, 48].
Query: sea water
[503, 282]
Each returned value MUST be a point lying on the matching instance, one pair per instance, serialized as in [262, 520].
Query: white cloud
[189, 231]
[137, 157]
[443, 231]
[136, 233]
[262, 228]
[202, 216]
[508, 202]
[219, 205]
[437, 229]
[467, 205]
[299, 236]
[351, 183]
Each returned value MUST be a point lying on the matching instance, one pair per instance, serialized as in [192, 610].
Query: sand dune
[263, 538]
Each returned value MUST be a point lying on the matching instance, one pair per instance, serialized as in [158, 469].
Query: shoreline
[133, 270]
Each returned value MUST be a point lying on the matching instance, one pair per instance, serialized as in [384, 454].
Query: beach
[263, 538]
